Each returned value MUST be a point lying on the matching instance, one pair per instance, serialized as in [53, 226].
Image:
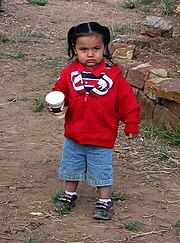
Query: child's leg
[100, 173]
[71, 186]
[72, 170]
[68, 199]
[104, 192]
[104, 206]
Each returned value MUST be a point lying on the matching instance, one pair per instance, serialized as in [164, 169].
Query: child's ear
[105, 50]
[74, 50]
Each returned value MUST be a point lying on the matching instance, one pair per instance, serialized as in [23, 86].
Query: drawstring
[86, 96]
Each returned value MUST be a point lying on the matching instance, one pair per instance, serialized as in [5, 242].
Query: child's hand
[132, 135]
[48, 107]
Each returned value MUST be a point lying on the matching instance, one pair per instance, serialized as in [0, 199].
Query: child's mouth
[91, 61]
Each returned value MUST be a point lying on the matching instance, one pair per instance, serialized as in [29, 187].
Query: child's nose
[90, 53]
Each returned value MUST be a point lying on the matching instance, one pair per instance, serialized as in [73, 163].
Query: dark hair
[86, 29]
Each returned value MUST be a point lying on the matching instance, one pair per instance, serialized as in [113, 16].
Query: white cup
[55, 99]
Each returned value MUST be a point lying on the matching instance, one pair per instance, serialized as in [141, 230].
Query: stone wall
[158, 95]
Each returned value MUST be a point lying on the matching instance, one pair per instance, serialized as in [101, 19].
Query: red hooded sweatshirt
[97, 100]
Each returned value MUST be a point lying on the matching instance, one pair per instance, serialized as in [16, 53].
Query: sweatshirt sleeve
[128, 109]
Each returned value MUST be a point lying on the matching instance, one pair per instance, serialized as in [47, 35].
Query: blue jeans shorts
[86, 163]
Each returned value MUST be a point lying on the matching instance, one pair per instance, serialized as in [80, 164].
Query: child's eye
[96, 48]
[83, 49]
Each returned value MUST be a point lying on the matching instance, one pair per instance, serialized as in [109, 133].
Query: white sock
[104, 200]
[70, 193]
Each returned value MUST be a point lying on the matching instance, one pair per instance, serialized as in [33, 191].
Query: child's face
[90, 50]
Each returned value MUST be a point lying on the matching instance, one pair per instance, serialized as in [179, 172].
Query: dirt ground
[31, 142]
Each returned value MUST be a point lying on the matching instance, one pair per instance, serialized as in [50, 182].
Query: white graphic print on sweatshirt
[89, 82]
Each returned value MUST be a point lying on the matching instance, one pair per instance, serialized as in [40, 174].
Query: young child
[97, 97]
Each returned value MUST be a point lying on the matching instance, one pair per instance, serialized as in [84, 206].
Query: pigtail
[107, 39]
[71, 52]
[107, 34]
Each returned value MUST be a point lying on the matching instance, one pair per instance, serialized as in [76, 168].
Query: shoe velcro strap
[66, 198]
[101, 205]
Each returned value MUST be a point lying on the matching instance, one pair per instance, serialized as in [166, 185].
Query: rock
[138, 75]
[153, 97]
[164, 116]
[12, 189]
[156, 26]
[150, 82]
[177, 10]
[125, 64]
[155, 74]
[166, 88]
[137, 40]
[158, 72]
[173, 106]
[147, 106]
[122, 50]
[136, 91]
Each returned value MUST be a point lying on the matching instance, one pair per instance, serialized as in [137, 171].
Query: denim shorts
[86, 163]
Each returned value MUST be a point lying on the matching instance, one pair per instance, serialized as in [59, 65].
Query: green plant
[132, 226]
[167, 6]
[3, 38]
[56, 196]
[39, 105]
[32, 33]
[22, 98]
[23, 40]
[145, 9]
[145, 2]
[164, 153]
[116, 196]
[123, 29]
[173, 136]
[152, 131]
[17, 54]
[64, 208]
[38, 2]
[128, 4]
[38, 34]
[34, 239]
[177, 224]
[170, 73]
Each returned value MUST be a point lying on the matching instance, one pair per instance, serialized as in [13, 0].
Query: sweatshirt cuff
[131, 128]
